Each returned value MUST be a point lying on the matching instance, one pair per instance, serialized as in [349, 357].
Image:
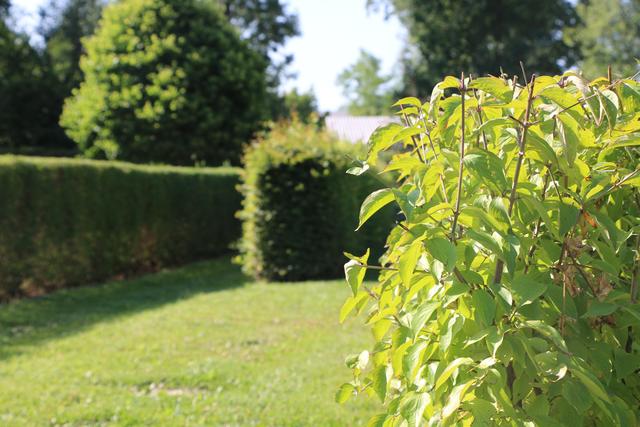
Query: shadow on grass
[31, 322]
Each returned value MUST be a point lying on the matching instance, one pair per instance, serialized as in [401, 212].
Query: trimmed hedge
[299, 210]
[65, 222]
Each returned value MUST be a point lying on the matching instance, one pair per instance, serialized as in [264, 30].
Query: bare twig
[456, 212]
[413, 137]
[497, 276]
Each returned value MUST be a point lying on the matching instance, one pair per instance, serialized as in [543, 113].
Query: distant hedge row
[300, 208]
[65, 222]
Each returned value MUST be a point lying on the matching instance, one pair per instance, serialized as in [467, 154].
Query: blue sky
[333, 31]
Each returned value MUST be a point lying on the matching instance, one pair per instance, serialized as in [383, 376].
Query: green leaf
[345, 392]
[490, 125]
[354, 272]
[373, 203]
[411, 360]
[568, 218]
[560, 96]
[527, 288]
[412, 407]
[487, 241]
[626, 363]
[548, 331]
[381, 139]
[494, 86]
[377, 421]
[609, 102]
[488, 168]
[542, 148]
[380, 380]
[577, 395]
[485, 307]
[455, 398]
[408, 261]
[598, 309]
[350, 304]
[422, 315]
[408, 101]
[450, 369]
[632, 140]
[542, 211]
[450, 82]
[569, 138]
[442, 250]
[593, 385]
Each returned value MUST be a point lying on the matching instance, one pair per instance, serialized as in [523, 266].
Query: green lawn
[201, 345]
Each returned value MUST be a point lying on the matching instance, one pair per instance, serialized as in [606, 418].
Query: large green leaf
[345, 392]
[381, 139]
[422, 315]
[373, 203]
[450, 369]
[526, 288]
[485, 307]
[412, 407]
[495, 86]
[455, 398]
[488, 168]
[442, 250]
[380, 380]
[354, 272]
[408, 262]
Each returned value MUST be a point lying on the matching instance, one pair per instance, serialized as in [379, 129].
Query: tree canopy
[63, 25]
[608, 34]
[366, 88]
[481, 37]
[166, 81]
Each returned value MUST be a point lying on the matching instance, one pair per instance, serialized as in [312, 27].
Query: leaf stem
[456, 212]
[497, 276]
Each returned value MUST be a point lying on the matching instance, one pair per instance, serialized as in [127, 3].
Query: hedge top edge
[53, 162]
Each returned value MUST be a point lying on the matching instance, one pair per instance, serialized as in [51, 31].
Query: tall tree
[367, 90]
[29, 108]
[266, 25]
[481, 36]
[609, 34]
[63, 25]
[166, 81]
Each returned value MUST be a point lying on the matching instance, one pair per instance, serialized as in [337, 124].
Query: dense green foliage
[481, 36]
[608, 35]
[298, 208]
[266, 25]
[367, 90]
[166, 81]
[509, 294]
[28, 109]
[63, 25]
[66, 222]
[197, 346]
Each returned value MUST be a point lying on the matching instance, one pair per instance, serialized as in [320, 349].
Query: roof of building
[356, 128]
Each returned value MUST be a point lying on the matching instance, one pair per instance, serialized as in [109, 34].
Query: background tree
[63, 25]
[266, 25]
[367, 90]
[481, 36]
[166, 81]
[301, 105]
[609, 34]
[28, 108]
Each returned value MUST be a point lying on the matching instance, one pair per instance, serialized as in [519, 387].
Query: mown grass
[201, 345]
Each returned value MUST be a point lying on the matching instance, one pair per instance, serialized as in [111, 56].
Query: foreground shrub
[508, 295]
[167, 81]
[66, 222]
[298, 209]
